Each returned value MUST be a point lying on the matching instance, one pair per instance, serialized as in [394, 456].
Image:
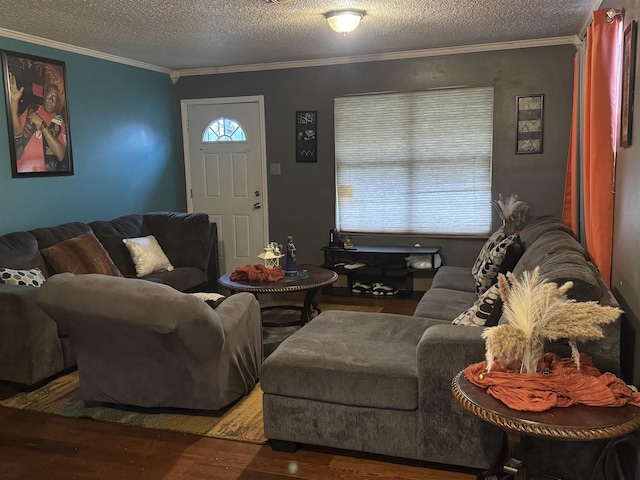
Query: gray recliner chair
[146, 344]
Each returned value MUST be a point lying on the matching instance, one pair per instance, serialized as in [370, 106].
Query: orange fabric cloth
[563, 386]
[257, 274]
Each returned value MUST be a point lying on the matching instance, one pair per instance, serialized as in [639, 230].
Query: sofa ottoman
[364, 383]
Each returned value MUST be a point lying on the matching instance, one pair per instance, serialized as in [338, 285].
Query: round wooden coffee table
[310, 279]
[577, 422]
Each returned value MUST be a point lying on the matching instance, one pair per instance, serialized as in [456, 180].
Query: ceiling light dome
[344, 21]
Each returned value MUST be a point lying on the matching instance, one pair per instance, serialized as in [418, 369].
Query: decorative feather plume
[511, 210]
[536, 311]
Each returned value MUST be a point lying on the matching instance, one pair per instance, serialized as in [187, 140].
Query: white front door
[226, 177]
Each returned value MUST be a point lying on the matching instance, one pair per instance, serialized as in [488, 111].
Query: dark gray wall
[302, 198]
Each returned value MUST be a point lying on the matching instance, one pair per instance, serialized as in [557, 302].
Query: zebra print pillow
[491, 242]
[485, 312]
[488, 272]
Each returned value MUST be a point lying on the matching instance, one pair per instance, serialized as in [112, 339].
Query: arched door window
[223, 129]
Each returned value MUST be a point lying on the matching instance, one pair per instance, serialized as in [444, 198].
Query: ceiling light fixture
[344, 21]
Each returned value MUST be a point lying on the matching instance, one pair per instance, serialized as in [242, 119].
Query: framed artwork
[628, 81]
[306, 133]
[37, 115]
[530, 122]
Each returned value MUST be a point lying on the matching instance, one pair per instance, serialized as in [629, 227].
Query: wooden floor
[48, 447]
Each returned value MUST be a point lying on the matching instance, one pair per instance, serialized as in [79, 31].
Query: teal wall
[126, 144]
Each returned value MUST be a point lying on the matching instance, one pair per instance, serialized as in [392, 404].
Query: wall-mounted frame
[37, 115]
[530, 123]
[628, 81]
[306, 136]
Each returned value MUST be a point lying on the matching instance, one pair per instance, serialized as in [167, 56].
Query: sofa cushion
[147, 255]
[184, 237]
[48, 236]
[112, 232]
[488, 271]
[19, 250]
[81, 255]
[370, 363]
[571, 266]
[539, 226]
[562, 258]
[31, 278]
[444, 304]
[454, 278]
[485, 312]
[549, 243]
[489, 245]
[181, 278]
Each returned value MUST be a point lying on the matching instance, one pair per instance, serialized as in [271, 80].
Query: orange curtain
[571, 189]
[601, 113]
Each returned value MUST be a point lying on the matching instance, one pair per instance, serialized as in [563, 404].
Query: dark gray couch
[31, 347]
[381, 383]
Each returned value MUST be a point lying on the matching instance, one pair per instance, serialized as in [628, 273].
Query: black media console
[387, 265]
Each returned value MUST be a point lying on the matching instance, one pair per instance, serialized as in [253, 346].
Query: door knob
[257, 205]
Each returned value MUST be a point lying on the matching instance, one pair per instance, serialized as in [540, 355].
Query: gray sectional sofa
[381, 383]
[32, 348]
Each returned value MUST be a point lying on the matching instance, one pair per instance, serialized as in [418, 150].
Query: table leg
[308, 310]
[309, 307]
[512, 465]
[507, 460]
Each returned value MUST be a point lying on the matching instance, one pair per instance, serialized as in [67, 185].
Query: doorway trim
[259, 99]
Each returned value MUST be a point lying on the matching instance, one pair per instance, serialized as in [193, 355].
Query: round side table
[577, 422]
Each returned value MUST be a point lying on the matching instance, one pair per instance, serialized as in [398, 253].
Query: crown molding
[80, 50]
[376, 57]
[175, 74]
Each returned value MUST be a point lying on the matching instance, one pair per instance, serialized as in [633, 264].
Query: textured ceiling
[188, 34]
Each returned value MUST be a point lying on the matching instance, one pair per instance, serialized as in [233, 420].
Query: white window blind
[415, 163]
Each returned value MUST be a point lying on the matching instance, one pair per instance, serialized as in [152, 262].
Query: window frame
[471, 196]
[224, 120]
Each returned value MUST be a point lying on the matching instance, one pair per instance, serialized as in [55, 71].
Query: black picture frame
[628, 82]
[306, 136]
[529, 123]
[36, 91]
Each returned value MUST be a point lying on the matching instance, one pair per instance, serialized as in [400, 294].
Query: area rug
[241, 421]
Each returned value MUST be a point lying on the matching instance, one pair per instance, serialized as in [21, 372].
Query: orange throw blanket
[257, 274]
[562, 386]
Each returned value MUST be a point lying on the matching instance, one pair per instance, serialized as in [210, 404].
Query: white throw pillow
[486, 311]
[147, 255]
